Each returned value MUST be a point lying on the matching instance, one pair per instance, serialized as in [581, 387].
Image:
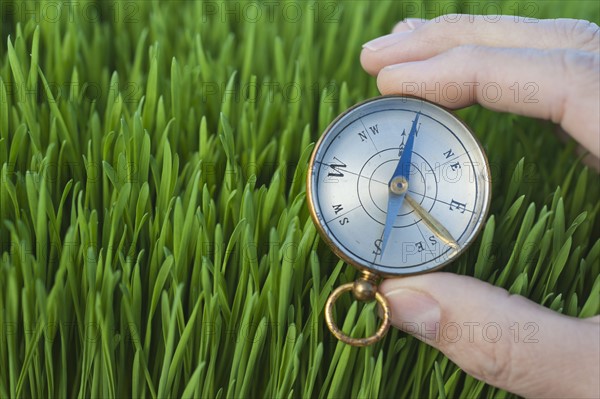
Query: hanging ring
[339, 334]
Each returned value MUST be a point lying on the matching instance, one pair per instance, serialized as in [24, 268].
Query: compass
[396, 186]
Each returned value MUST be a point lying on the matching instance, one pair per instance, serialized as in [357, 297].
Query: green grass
[154, 235]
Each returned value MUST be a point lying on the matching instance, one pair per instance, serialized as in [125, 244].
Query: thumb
[502, 339]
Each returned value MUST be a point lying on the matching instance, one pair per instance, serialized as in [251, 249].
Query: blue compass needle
[398, 184]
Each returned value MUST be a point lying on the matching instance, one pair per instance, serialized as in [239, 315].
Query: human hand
[545, 69]
[506, 340]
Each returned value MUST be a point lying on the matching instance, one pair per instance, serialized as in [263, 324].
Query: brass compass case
[442, 196]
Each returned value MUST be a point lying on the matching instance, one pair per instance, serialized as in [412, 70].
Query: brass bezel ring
[325, 235]
[339, 334]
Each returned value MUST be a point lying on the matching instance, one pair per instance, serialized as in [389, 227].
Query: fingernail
[385, 41]
[415, 312]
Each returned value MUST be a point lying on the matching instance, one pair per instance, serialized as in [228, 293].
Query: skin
[505, 340]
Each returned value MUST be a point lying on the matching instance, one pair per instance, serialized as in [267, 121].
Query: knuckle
[579, 70]
[495, 357]
[498, 363]
[490, 361]
[582, 34]
[578, 65]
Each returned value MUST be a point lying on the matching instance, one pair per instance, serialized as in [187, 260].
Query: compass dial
[350, 186]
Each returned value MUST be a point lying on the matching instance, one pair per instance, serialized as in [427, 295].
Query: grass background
[154, 234]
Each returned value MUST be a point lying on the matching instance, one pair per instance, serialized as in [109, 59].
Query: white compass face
[349, 186]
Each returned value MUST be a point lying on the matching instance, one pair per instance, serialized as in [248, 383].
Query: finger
[594, 319]
[504, 340]
[443, 33]
[558, 85]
